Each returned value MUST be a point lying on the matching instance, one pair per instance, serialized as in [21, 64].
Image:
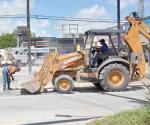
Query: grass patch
[133, 117]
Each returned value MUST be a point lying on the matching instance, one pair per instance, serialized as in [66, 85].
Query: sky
[91, 9]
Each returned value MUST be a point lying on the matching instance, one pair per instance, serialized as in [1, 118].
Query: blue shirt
[104, 48]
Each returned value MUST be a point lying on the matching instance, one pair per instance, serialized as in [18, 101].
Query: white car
[38, 61]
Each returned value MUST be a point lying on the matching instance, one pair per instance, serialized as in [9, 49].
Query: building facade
[63, 45]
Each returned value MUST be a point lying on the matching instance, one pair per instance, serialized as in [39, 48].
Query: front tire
[64, 84]
[114, 77]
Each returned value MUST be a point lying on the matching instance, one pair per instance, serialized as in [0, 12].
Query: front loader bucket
[31, 85]
[50, 66]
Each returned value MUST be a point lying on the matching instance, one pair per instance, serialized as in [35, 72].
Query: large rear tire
[114, 77]
[64, 84]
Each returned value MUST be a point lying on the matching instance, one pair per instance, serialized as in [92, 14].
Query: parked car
[38, 61]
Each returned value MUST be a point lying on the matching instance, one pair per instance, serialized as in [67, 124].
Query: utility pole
[141, 8]
[118, 24]
[29, 36]
[118, 14]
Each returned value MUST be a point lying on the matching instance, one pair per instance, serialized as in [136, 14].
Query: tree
[8, 40]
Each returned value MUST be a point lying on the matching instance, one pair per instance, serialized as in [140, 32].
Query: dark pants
[6, 83]
[98, 59]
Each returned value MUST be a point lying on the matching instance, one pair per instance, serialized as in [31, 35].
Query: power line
[62, 18]
[68, 17]
[73, 19]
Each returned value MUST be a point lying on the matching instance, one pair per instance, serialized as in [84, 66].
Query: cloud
[93, 12]
[37, 26]
[18, 7]
[14, 7]
[11, 7]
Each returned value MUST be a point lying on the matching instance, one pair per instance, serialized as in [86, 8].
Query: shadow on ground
[93, 89]
[89, 89]
[62, 121]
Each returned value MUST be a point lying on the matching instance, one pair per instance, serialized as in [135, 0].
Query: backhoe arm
[132, 39]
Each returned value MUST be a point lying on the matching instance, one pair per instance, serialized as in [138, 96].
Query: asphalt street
[85, 103]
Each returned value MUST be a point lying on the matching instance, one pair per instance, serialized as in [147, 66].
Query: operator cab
[93, 46]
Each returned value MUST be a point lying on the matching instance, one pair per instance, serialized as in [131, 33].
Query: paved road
[66, 109]
[85, 103]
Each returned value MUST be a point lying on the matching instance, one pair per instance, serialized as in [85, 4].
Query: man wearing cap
[102, 53]
[104, 47]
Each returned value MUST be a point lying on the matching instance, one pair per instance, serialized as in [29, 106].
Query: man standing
[7, 75]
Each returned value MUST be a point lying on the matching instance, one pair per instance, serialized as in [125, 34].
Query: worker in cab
[102, 54]
[104, 47]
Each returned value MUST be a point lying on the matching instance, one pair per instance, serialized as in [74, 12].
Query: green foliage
[133, 117]
[8, 40]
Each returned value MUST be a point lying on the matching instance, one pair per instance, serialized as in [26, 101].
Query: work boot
[10, 89]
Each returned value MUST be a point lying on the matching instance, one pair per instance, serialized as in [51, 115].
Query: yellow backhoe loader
[124, 63]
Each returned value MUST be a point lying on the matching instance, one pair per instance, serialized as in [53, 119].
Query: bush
[133, 117]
